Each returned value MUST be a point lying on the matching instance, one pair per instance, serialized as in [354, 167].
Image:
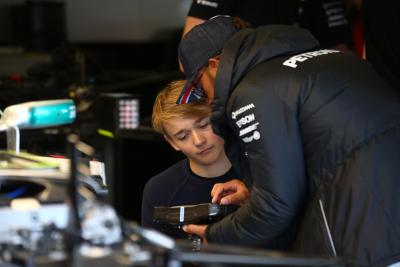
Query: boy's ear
[171, 142]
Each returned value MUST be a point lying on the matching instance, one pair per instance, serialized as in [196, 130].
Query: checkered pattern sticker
[128, 113]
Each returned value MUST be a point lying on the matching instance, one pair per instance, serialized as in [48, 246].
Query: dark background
[128, 46]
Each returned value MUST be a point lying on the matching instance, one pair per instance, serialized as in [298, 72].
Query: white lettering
[292, 62]
[249, 129]
[207, 3]
[245, 120]
[256, 136]
[248, 139]
[241, 110]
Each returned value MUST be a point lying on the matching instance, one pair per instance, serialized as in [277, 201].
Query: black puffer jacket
[321, 135]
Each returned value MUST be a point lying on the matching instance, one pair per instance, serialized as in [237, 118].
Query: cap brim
[189, 94]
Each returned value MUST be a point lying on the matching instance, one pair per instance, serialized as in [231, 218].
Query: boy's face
[196, 139]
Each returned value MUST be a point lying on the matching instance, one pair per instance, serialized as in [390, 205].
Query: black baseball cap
[201, 43]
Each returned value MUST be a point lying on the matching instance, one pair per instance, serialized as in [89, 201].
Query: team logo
[245, 120]
[255, 136]
[241, 110]
[248, 121]
[293, 61]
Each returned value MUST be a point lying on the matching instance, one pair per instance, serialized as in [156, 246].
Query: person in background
[353, 8]
[325, 19]
[382, 43]
[187, 129]
[317, 133]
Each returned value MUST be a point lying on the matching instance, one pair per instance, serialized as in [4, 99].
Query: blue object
[52, 114]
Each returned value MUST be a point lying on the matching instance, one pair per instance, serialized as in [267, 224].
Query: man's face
[206, 78]
[196, 139]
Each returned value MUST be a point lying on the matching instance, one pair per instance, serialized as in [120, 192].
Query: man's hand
[233, 192]
[199, 230]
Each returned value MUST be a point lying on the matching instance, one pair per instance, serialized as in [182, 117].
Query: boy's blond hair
[165, 107]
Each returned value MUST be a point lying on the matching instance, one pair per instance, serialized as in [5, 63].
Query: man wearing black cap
[325, 19]
[318, 135]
